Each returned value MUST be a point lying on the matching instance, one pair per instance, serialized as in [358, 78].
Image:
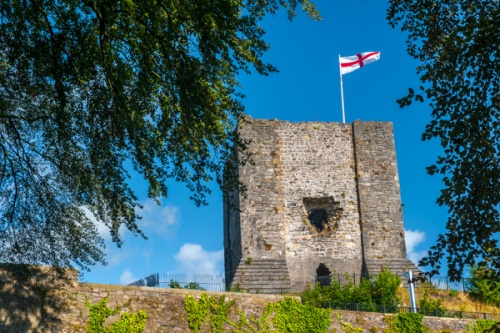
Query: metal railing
[194, 281]
[403, 309]
[444, 283]
[217, 283]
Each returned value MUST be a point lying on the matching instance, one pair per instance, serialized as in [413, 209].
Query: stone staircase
[396, 266]
[264, 276]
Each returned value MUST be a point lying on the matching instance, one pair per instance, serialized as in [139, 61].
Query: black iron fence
[403, 309]
[217, 283]
[443, 283]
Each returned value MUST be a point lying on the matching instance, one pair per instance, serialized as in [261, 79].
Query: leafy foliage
[428, 306]
[292, 316]
[457, 44]
[347, 327]
[90, 89]
[207, 309]
[483, 326]
[174, 284]
[194, 285]
[484, 285]
[129, 322]
[380, 290]
[407, 323]
[190, 285]
[384, 287]
[288, 315]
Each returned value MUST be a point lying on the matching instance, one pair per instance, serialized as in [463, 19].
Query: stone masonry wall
[318, 163]
[379, 194]
[232, 231]
[261, 212]
[318, 194]
[37, 301]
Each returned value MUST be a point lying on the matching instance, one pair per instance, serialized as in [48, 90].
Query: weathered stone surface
[317, 193]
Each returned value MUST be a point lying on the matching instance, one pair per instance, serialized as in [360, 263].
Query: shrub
[128, 323]
[190, 285]
[484, 285]
[286, 316]
[384, 287]
[484, 326]
[409, 322]
[174, 284]
[380, 290]
[430, 307]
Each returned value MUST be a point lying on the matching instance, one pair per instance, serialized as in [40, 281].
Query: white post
[342, 92]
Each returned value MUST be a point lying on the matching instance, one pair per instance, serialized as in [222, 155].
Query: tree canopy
[457, 43]
[87, 86]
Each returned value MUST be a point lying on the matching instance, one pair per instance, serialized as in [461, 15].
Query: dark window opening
[323, 214]
[322, 270]
[318, 218]
[323, 275]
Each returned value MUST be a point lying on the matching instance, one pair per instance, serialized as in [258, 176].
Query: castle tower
[320, 198]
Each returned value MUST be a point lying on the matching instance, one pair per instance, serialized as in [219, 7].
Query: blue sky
[183, 238]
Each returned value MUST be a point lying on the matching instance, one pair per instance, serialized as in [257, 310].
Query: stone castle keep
[321, 198]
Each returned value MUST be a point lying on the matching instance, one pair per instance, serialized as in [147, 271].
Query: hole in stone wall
[318, 218]
[322, 270]
[323, 275]
[323, 214]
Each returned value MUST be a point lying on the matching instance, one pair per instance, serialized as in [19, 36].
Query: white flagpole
[342, 92]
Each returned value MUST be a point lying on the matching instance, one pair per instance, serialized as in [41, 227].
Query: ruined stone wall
[260, 217]
[318, 194]
[379, 194]
[319, 178]
[232, 231]
[36, 301]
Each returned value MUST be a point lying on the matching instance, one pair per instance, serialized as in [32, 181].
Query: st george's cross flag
[351, 63]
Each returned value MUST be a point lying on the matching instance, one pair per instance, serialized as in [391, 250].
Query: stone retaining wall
[37, 301]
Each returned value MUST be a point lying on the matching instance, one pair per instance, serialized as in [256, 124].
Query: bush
[286, 316]
[484, 326]
[430, 307]
[484, 285]
[380, 290]
[128, 322]
[407, 323]
[384, 287]
[190, 285]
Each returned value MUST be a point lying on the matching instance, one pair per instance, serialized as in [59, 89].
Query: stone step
[266, 276]
[396, 266]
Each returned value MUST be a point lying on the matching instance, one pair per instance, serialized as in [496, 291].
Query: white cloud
[102, 229]
[118, 255]
[127, 277]
[158, 219]
[412, 239]
[193, 259]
